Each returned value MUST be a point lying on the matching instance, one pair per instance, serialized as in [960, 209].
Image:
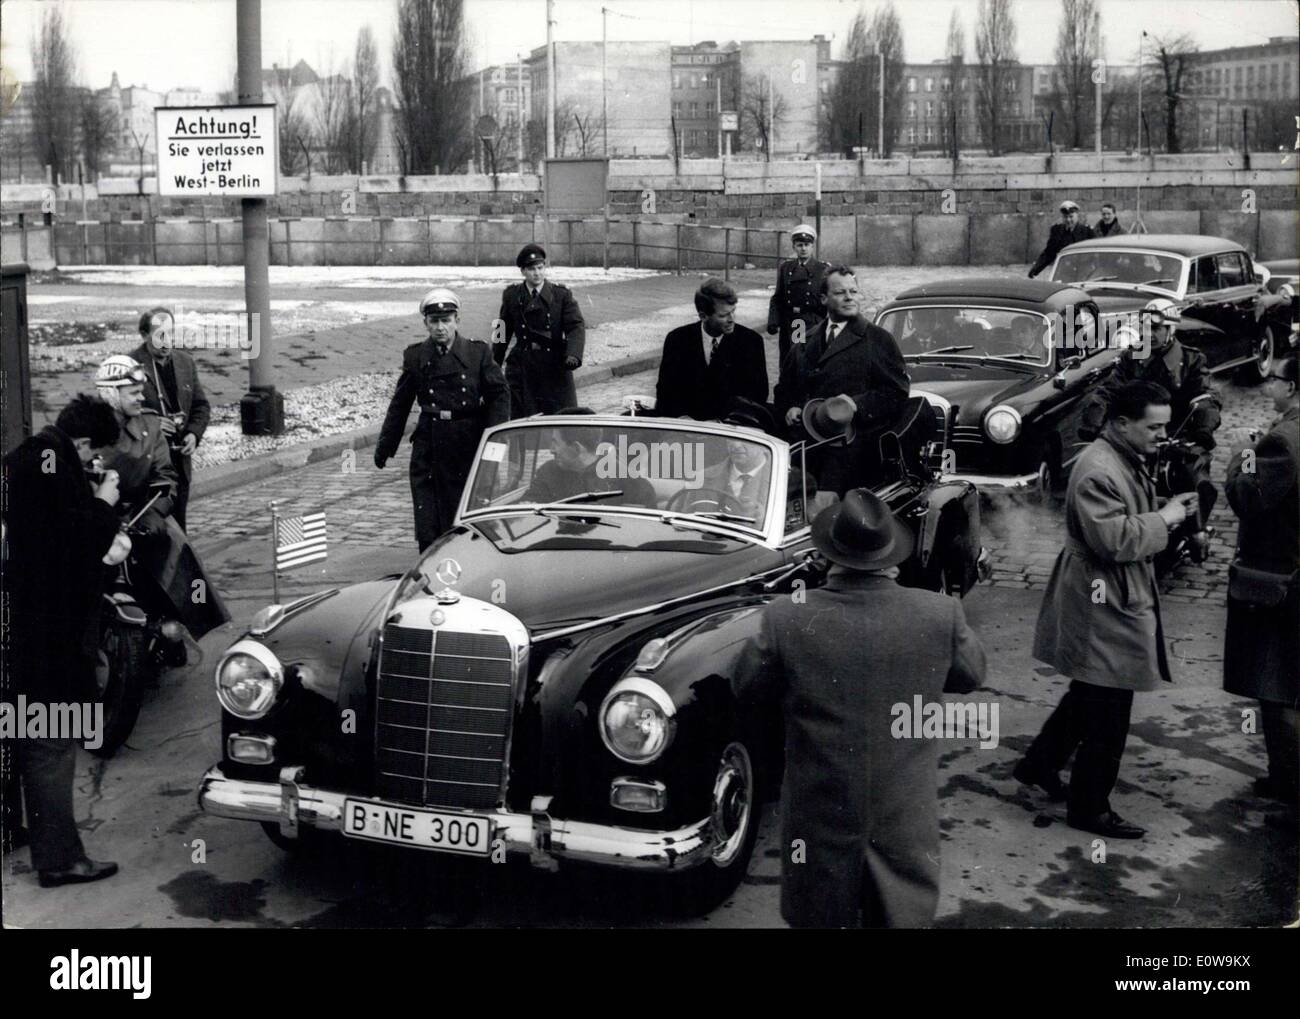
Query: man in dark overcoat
[173, 390]
[1261, 647]
[1099, 622]
[859, 806]
[1070, 230]
[845, 355]
[706, 365]
[797, 297]
[57, 529]
[539, 338]
[461, 391]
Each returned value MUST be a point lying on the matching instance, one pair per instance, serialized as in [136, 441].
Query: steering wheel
[704, 500]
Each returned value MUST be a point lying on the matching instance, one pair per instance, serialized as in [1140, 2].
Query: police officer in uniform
[461, 391]
[798, 287]
[540, 339]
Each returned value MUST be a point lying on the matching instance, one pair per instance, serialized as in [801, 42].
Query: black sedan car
[552, 677]
[1282, 277]
[1007, 362]
[1228, 313]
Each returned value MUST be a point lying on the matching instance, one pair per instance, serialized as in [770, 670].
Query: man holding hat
[1070, 230]
[798, 285]
[461, 391]
[538, 337]
[859, 803]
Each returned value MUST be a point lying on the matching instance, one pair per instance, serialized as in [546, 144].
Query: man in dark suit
[1069, 231]
[461, 392]
[539, 338]
[1109, 222]
[1262, 642]
[797, 297]
[709, 363]
[844, 356]
[859, 805]
[58, 526]
[172, 388]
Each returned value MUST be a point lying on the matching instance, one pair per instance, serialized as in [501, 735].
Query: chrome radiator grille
[443, 716]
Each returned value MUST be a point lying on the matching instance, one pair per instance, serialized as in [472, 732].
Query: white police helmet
[439, 299]
[117, 371]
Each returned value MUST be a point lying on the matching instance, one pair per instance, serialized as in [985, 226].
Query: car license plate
[420, 829]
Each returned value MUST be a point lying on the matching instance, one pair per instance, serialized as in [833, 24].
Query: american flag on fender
[299, 540]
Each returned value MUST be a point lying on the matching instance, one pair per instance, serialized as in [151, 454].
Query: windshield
[1161, 271]
[970, 332]
[725, 477]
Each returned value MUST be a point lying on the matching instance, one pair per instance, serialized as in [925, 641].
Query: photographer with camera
[57, 528]
[173, 390]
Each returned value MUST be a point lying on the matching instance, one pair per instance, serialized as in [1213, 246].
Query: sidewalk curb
[256, 468]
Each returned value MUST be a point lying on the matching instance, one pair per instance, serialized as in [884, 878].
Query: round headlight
[1002, 424]
[248, 679]
[636, 721]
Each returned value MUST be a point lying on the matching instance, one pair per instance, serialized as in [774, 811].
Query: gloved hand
[571, 362]
[380, 459]
[152, 525]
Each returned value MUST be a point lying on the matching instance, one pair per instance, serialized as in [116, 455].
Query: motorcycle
[1184, 466]
[136, 645]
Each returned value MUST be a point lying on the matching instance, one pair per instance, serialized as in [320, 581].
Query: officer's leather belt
[446, 415]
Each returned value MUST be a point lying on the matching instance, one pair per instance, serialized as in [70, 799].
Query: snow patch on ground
[395, 276]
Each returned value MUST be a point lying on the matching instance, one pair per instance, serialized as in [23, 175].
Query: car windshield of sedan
[970, 332]
[555, 469]
[1132, 267]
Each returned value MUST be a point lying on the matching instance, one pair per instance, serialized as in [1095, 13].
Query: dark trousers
[1094, 721]
[48, 767]
[184, 469]
[1281, 728]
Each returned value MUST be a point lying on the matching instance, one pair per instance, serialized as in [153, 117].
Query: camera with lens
[172, 428]
[95, 471]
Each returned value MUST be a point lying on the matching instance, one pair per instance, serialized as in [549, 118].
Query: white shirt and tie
[710, 344]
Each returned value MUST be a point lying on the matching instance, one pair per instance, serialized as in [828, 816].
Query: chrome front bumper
[1004, 482]
[545, 839]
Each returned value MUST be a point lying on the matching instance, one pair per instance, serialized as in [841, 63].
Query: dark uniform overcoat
[1057, 238]
[797, 297]
[540, 332]
[862, 803]
[1261, 649]
[460, 393]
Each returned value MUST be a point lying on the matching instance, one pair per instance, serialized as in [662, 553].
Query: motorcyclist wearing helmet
[141, 456]
[1163, 360]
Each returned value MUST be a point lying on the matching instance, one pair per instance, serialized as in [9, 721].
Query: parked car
[1230, 315]
[1282, 277]
[551, 677]
[1007, 361]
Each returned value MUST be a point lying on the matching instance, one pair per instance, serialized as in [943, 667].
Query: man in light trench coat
[1099, 623]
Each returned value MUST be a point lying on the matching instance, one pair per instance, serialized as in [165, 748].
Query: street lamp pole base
[261, 411]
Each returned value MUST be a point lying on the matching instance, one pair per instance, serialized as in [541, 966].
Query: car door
[1213, 321]
[1238, 296]
[1079, 368]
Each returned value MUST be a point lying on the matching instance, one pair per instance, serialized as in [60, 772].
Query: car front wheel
[1256, 370]
[734, 811]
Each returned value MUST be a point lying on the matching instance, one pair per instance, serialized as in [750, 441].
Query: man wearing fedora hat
[859, 806]
[538, 338]
[847, 357]
[461, 392]
[797, 297]
[1069, 231]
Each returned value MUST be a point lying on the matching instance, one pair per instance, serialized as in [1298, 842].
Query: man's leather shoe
[79, 873]
[1048, 781]
[1109, 824]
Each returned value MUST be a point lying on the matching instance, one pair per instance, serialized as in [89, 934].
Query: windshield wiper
[1017, 357]
[1152, 283]
[580, 497]
[943, 350]
[724, 515]
[1100, 279]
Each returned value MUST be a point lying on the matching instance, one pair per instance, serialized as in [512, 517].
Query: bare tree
[1078, 43]
[333, 125]
[294, 133]
[853, 111]
[55, 106]
[431, 88]
[99, 127]
[995, 48]
[887, 32]
[365, 86]
[762, 112]
[956, 53]
[1171, 61]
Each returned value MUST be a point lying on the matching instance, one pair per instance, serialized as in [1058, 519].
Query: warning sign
[216, 150]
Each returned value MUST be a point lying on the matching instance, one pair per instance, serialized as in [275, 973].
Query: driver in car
[1027, 335]
[572, 471]
[926, 326]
